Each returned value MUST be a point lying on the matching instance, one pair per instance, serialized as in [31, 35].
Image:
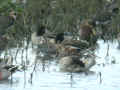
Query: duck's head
[41, 30]
[59, 37]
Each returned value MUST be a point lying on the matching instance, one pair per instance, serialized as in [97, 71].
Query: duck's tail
[89, 63]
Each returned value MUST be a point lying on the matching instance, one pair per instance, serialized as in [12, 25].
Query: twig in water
[31, 75]
[107, 54]
[71, 79]
[100, 77]
[24, 76]
[16, 54]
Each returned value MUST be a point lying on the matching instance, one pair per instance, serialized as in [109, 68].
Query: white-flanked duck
[74, 64]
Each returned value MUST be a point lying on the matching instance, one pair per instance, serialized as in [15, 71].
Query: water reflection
[104, 75]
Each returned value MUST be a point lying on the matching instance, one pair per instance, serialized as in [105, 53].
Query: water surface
[52, 79]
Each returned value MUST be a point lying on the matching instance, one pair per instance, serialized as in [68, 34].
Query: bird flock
[73, 54]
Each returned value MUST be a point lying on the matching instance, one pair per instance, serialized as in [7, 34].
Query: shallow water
[52, 79]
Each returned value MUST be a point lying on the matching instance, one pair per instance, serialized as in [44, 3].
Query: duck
[37, 36]
[56, 44]
[7, 71]
[74, 64]
[37, 40]
[49, 44]
[6, 68]
[76, 43]
[66, 46]
[48, 37]
[87, 31]
[60, 44]
[68, 50]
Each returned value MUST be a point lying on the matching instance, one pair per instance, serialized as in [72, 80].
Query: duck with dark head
[75, 64]
[41, 30]
[37, 36]
[59, 37]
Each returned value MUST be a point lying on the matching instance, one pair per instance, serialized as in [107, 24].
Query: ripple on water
[55, 80]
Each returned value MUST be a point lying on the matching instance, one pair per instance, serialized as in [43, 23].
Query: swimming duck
[63, 46]
[7, 70]
[74, 64]
[37, 36]
[76, 43]
[37, 40]
[6, 67]
[50, 37]
[48, 44]
[87, 32]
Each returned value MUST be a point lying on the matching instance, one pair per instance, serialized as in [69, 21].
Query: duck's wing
[89, 63]
[11, 68]
[76, 43]
[49, 34]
